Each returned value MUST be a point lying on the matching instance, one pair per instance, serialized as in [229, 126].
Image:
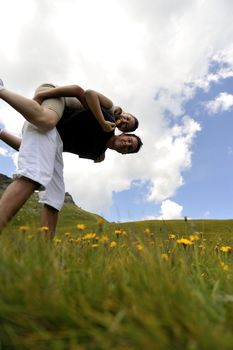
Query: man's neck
[110, 143]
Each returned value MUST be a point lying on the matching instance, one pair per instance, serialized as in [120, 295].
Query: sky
[170, 63]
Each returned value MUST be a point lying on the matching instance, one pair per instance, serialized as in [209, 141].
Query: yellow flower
[89, 236]
[95, 245]
[113, 244]
[172, 236]
[67, 234]
[184, 241]
[81, 227]
[224, 266]
[43, 229]
[100, 221]
[104, 239]
[164, 256]
[225, 249]
[57, 241]
[139, 247]
[120, 232]
[147, 230]
[24, 228]
[193, 238]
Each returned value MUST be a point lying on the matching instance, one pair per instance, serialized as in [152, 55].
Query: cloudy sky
[168, 62]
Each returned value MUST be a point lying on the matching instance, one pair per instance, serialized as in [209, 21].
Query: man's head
[125, 143]
[126, 122]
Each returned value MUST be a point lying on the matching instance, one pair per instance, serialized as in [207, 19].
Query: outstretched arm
[61, 91]
[10, 139]
[90, 99]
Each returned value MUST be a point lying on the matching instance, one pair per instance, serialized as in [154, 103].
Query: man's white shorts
[40, 159]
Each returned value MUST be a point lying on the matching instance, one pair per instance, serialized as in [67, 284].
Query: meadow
[98, 285]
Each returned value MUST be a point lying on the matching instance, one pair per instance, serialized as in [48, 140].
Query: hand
[39, 98]
[108, 126]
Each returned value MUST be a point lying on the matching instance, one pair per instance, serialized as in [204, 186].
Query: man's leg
[41, 116]
[49, 217]
[14, 197]
[53, 195]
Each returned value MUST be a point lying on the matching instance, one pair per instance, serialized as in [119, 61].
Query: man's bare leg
[49, 217]
[14, 197]
[44, 118]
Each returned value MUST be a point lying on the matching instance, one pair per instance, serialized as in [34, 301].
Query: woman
[49, 103]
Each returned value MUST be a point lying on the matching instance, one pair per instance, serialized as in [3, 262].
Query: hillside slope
[29, 214]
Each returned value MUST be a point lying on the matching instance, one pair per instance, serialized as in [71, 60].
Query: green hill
[70, 215]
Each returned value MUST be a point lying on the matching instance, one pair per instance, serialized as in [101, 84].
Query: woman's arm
[90, 99]
[95, 101]
[10, 139]
[61, 91]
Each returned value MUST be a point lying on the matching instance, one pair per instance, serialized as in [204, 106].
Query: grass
[129, 286]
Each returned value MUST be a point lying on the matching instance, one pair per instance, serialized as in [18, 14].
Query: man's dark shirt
[81, 133]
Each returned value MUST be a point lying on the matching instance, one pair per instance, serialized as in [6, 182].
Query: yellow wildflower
[81, 227]
[43, 229]
[95, 245]
[89, 236]
[147, 230]
[24, 228]
[184, 241]
[193, 238]
[113, 244]
[139, 247]
[104, 239]
[67, 234]
[172, 236]
[120, 232]
[225, 249]
[164, 256]
[224, 266]
[57, 240]
[100, 221]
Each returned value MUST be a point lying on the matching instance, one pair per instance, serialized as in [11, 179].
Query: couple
[59, 119]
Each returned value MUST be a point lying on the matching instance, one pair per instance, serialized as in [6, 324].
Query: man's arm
[11, 140]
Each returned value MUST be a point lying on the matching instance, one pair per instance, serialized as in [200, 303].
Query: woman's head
[126, 122]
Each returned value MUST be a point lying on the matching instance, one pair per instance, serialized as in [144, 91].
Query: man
[40, 164]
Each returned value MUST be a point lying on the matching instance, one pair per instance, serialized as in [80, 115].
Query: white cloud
[222, 103]
[3, 151]
[170, 210]
[132, 51]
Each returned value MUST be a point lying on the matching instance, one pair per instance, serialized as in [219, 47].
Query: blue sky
[166, 63]
[207, 191]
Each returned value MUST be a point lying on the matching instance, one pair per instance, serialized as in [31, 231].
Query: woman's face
[126, 122]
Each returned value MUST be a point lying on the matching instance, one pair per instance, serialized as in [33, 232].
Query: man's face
[125, 144]
[127, 122]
